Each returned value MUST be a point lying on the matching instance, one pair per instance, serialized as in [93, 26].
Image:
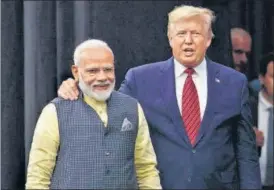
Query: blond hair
[186, 11]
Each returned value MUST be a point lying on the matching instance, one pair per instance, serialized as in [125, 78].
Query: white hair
[88, 44]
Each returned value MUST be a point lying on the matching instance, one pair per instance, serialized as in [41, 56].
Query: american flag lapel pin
[217, 80]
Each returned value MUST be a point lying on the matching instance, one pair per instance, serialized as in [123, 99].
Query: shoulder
[59, 102]
[123, 97]
[150, 67]
[228, 73]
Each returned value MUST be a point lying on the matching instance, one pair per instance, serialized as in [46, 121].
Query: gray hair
[235, 32]
[88, 44]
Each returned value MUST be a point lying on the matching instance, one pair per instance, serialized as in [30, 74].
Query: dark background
[39, 37]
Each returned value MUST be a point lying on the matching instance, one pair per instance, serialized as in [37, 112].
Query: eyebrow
[241, 51]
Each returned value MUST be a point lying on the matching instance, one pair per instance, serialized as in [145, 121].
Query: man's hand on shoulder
[68, 89]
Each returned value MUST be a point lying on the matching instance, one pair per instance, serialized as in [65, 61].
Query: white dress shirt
[199, 79]
[263, 115]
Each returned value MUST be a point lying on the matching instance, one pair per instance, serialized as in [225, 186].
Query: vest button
[107, 153]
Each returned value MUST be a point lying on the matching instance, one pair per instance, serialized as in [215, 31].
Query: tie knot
[189, 71]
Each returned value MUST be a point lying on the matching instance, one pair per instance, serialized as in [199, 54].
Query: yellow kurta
[45, 146]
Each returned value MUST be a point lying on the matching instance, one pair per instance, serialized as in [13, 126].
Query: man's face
[189, 40]
[96, 73]
[267, 80]
[241, 48]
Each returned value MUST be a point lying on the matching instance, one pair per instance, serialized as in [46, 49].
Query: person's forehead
[97, 62]
[99, 65]
[241, 43]
[242, 39]
[188, 26]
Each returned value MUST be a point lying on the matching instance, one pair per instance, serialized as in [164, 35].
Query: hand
[68, 89]
[259, 137]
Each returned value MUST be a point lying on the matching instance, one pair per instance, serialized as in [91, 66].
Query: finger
[75, 91]
[72, 86]
[71, 95]
[63, 95]
[260, 133]
[67, 90]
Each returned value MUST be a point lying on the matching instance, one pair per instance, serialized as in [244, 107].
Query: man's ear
[169, 36]
[75, 72]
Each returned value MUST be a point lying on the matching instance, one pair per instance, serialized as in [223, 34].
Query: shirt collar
[264, 102]
[180, 68]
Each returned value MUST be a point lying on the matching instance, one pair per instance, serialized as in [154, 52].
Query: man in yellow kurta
[99, 141]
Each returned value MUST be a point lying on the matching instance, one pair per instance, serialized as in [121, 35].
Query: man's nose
[101, 76]
[244, 58]
[188, 38]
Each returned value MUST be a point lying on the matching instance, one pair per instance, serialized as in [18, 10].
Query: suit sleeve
[246, 150]
[128, 85]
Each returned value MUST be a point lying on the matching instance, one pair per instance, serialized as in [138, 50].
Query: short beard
[99, 96]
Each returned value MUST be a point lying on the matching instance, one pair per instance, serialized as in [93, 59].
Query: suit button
[189, 179]
[193, 151]
[107, 153]
[107, 171]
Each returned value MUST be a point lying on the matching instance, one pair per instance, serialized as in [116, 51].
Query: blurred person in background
[262, 111]
[241, 49]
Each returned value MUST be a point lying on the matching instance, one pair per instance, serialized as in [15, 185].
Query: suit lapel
[213, 94]
[170, 100]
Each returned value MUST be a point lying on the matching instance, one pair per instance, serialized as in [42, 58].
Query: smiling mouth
[101, 87]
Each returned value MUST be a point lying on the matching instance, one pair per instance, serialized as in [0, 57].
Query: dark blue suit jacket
[224, 155]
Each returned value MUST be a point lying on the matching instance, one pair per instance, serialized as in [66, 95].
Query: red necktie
[190, 107]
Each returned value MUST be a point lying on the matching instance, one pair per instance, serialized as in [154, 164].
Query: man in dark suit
[262, 112]
[197, 110]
